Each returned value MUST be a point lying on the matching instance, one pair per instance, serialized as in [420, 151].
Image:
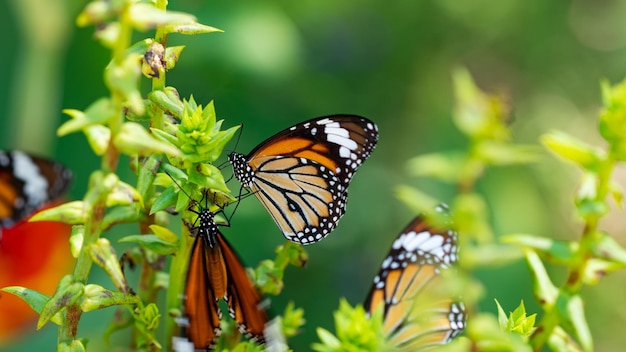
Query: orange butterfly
[411, 321]
[301, 175]
[215, 272]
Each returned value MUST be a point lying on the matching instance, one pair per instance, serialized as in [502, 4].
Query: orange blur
[34, 255]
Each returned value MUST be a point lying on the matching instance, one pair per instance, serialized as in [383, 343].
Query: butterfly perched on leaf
[301, 175]
[215, 272]
[414, 320]
[27, 183]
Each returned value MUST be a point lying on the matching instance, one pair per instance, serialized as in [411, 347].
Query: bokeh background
[280, 62]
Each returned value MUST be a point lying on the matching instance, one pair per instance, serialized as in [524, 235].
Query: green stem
[178, 271]
[576, 274]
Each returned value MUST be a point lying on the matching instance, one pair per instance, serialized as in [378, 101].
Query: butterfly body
[215, 272]
[301, 175]
[28, 182]
[413, 320]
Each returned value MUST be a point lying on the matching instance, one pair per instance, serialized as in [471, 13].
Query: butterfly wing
[243, 299]
[27, 183]
[201, 307]
[301, 175]
[415, 260]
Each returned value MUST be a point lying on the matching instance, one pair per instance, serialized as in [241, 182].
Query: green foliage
[517, 321]
[190, 137]
[355, 331]
[482, 118]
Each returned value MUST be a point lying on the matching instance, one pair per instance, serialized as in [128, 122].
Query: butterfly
[28, 182]
[301, 175]
[215, 272]
[412, 320]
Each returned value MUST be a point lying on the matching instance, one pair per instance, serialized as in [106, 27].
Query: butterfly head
[243, 171]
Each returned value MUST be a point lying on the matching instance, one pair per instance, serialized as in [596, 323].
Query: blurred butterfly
[216, 272]
[301, 175]
[27, 183]
[412, 320]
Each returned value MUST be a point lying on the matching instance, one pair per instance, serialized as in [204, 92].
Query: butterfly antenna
[222, 165]
[236, 205]
[182, 190]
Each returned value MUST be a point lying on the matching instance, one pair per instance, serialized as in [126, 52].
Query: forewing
[201, 308]
[244, 302]
[338, 142]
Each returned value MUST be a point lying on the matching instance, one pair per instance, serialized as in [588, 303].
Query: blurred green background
[281, 62]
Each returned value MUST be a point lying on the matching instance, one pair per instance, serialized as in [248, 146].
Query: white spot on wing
[35, 185]
[342, 141]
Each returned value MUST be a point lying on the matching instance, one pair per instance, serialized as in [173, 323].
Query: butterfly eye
[301, 175]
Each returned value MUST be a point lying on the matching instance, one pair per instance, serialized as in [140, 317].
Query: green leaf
[559, 252]
[95, 12]
[77, 345]
[501, 153]
[617, 191]
[99, 112]
[574, 150]
[291, 253]
[150, 316]
[441, 166]
[152, 242]
[34, 299]
[490, 255]
[76, 239]
[544, 290]
[483, 329]
[503, 319]
[269, 278]
[134, 139]
[123, 194]
[607, 248]
[596, 269]
[418, 201]
[70, 213]
[355, 331]
[292, 320]
[122, 215]
[103, 254]
[98, 138]
[145, 16]
[108, 34]
[208, 176]
[572, 316]
[329, 341]
[520, 323]
[613, 118]
[168, 100]
[165, 234]
[192, 28]
[478, 115]
[172, 54]
[471, 217]
[166, 199]
[123, 78]
[588, 205]
[560, 341]
[68, 292]
[98, 297]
